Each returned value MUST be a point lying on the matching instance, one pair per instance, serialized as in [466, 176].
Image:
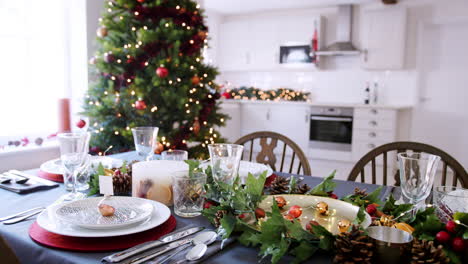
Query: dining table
[28, 251]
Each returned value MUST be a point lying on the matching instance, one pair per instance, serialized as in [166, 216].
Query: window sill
[28, 157]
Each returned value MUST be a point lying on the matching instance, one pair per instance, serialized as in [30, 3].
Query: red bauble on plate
[140, 105]
[81, 123]
[295, 211]
[162, 72]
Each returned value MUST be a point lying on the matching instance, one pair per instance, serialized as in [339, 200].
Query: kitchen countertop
[331, 104]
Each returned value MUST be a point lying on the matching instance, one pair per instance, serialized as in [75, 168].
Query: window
[43, 58]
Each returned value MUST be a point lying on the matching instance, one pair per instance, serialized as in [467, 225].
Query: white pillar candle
[153, 179]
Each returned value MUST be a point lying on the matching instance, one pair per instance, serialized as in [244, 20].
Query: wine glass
[225, 159]
[145, 140]
[417, 172]
[74, 157]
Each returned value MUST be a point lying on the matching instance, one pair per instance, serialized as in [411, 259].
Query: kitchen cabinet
[288, 119]
[232, 129]
[384, 37]
[234, 43]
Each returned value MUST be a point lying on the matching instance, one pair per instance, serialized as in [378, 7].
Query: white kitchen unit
[252, 42]
[372, 126]
[384, 38]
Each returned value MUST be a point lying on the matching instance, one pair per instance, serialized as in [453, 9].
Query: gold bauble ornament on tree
[102, 32]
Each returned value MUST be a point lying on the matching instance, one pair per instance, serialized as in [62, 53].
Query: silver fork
[21, 218]
[21, 213]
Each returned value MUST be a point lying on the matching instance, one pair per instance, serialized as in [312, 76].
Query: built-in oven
[331, 128]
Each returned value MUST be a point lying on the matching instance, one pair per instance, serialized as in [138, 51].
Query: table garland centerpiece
[238, 209]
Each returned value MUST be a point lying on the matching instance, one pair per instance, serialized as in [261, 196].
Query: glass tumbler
[417, 172]
[225, 159]
[176, 154]
[145, 139]
[449, 200]
[188, 190]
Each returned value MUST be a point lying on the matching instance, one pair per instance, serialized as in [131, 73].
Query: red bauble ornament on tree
[195, 80]
[162, 72]
[109, 58]
[159, 148]
[140, 1]
[140, 105]
[81, 123]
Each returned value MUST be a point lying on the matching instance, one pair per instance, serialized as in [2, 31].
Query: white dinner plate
[84, 213]
[49, 222]
[246, 167]
[55, 166]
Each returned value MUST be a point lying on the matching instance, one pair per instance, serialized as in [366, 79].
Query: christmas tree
[149, 71]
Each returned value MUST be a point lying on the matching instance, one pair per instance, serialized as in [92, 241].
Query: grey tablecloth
[30, 252]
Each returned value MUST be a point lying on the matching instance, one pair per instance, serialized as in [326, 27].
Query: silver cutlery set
[13, 176]
[173, 244]
[20, 182]
[15, 218]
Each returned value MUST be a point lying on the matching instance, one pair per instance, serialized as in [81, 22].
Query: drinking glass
[448, 200]
[417, 171]
[74, 157]
[188, 193]
[145, 140]
[176, 154]
[225, 159]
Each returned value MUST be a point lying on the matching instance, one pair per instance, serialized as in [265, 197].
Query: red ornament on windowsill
[81, 123]
[226, 95]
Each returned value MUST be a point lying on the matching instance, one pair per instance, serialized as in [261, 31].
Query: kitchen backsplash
[347, 85]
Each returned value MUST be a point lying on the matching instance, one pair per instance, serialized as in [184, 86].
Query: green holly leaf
[276, 250]
[327, 239]
[426, 224]
[254, 188]
[228, 223]
[193, 166]
[123, 169]
[361, 216]
[303, 252]
[292, 184]
[249, 238]
[462, 217]
[454, 258]
[373, 197]
[326, 186]
[397, 210]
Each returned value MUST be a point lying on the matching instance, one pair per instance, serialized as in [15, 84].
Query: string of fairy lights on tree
[123, 73]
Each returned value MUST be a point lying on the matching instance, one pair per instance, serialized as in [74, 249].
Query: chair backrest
[267, 156]
[459, 173]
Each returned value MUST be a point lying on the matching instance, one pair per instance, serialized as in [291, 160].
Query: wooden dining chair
[448, 162]
[266, 154]
[7, 255]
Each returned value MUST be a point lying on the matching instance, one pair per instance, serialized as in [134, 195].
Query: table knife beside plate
[159, 252]
[117, 257]
[39, 209]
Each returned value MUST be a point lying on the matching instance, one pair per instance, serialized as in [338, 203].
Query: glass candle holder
[174, 154]
[448, 200]
[225, 159]
[188, 193]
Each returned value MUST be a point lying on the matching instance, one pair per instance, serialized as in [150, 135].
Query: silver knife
[151, 244]
[168, 257]
[167, 248]
[35, 178]
[21, 213]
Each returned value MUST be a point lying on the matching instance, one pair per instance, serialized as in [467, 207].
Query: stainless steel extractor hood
[342, 44]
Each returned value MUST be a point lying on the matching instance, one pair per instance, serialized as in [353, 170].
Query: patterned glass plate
[85, 213]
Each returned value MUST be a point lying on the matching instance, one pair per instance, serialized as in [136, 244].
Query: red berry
[81, 123]
[259, 213]
[332, 195]
[280, 201]
[443, 237]
[458, 244]
[288, 217]
[295, 211]
[270, 179]
[310, 224]
[241, 216]
[371, 209]
[162, 72]
[451, 226]
[207, 204]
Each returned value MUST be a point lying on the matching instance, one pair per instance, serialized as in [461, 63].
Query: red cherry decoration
[81, 123]
[371, 209]
[295, 211]
[162, 72]
[207, 204]
[140, 105]
[458, 244]
[451, 226]
[259, 213]
[241, 216]
[288, 217]
[332, 195]
[270, 179]
[310, 224]
[280, 201]
[443, 237]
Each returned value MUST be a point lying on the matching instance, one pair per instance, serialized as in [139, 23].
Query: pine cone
[424, 251]
[218, 216]
[279, 186]
[360, 192]
[122, 183]
[353, 247]
[302, 189]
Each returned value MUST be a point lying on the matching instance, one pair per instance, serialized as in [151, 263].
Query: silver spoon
[204, 239]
